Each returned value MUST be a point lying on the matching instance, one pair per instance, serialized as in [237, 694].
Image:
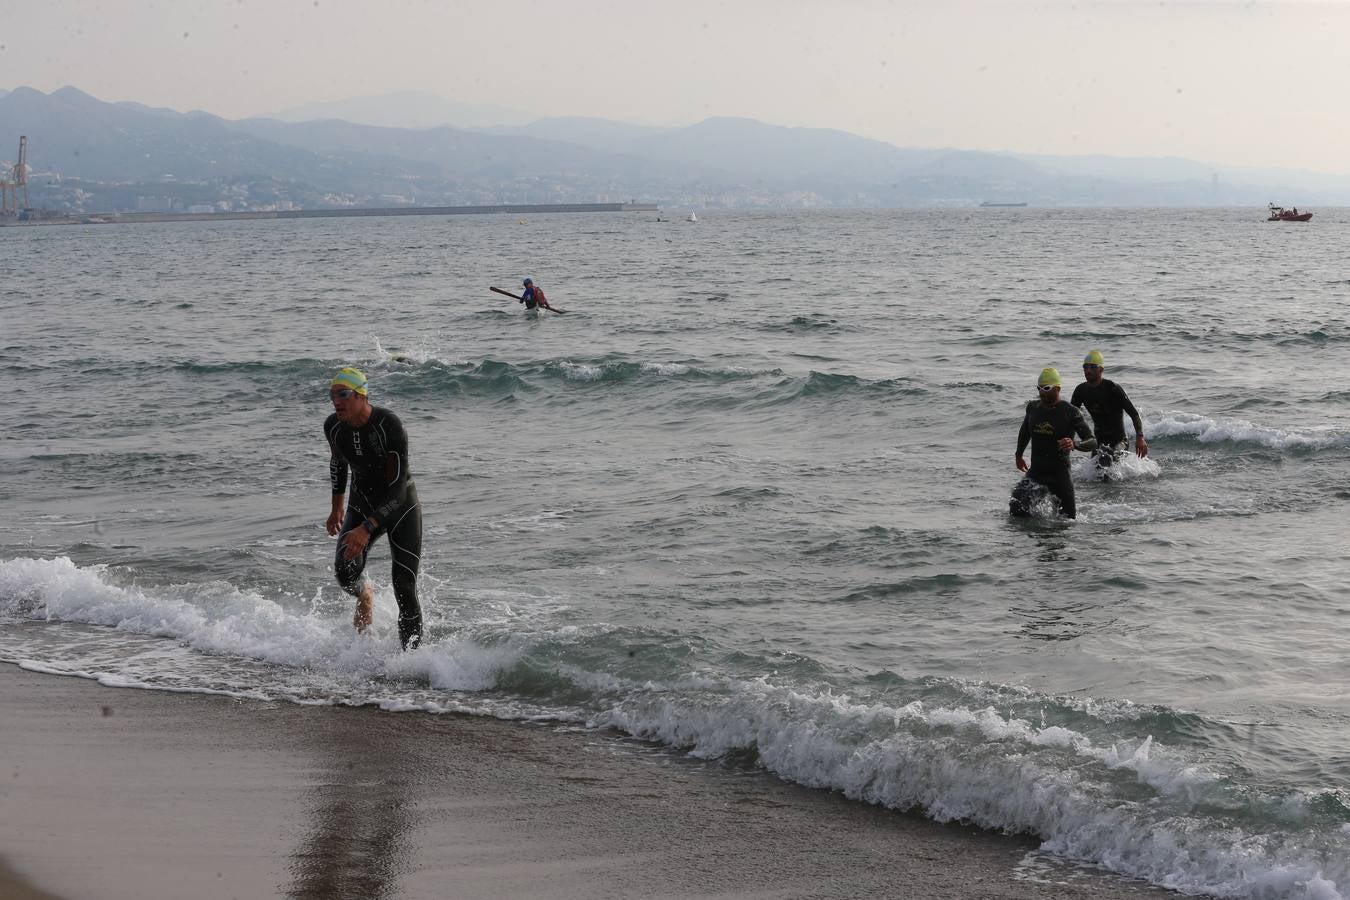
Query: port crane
[9, 190]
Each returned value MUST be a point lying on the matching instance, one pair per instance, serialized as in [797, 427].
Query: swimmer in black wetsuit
[1049, 426]
[371, 443]
[1106, 402]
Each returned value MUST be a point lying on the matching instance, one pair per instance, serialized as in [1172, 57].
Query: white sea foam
[219, 619]
[582, 371]
[679, 369]
[546, 520]
[1094, 511]
[666, 368]
[1239, 431]
[1126, 467]
[415, 356]
[1001, 773]
[957, 762]
[456, 665]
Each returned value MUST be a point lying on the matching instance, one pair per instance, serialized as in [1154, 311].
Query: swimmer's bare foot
[365, 613]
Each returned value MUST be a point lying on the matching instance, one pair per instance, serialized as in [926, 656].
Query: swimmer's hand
[354, 542]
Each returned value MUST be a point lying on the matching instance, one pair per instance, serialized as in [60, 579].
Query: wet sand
[115, 793]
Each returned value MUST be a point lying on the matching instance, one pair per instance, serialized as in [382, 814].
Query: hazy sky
[1259, 83]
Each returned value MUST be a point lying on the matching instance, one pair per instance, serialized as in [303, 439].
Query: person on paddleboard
[1106, 402]
[1050, 426]
[370, 443]
[533, 296]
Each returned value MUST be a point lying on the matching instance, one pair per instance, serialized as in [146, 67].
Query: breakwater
[509, 208]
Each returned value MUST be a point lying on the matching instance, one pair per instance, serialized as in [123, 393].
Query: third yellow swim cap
[1094, 358]
[1049, 376]
[352, 378]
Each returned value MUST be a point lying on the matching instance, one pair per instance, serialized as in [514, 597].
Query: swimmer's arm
[1087, 440]
[337, 477]
[334, 523]
[1130, 411]
[337, 468]
[1023, 438]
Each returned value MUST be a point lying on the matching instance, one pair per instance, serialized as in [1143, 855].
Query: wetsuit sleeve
[1086, 439]
[1024, 433]
[1130, 411]
[1078, 399]
[395, 499]
[337, 466]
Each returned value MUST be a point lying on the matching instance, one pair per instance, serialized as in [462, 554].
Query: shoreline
[161, 795]
[346, 212]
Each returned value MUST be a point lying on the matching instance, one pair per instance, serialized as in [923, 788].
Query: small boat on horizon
[692, 217]
[1280, 214]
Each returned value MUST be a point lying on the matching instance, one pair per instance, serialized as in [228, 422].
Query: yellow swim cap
[1094, 358]
[352, 378]
[1049, 376]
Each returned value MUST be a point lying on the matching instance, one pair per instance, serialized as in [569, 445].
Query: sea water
[746, 498]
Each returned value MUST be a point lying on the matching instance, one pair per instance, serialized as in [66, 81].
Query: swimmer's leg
[1062, 488]
[1106, 456]
[405, 543]
[349, 573]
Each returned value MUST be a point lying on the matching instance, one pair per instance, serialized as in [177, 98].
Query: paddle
[522, 299]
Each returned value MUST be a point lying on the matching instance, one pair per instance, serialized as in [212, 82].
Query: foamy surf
[222, 621]
[1209, 430]
[1125, 467]
[1003, 773]
[1110, 794]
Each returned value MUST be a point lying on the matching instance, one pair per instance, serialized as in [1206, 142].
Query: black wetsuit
[1042, 427]
[1106, 403]
[382, 488]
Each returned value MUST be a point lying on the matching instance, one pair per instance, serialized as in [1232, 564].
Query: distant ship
[992, 203]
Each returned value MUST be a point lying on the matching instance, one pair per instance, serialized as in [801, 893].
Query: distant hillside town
[87, 156]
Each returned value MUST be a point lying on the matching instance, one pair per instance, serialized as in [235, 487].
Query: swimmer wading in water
[369, 443]
[1049, 425]
[1107, 403]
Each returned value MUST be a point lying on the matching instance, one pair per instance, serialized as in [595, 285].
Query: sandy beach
[117, 793]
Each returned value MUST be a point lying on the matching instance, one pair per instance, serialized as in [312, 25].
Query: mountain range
[406, 109]
[89, 155]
